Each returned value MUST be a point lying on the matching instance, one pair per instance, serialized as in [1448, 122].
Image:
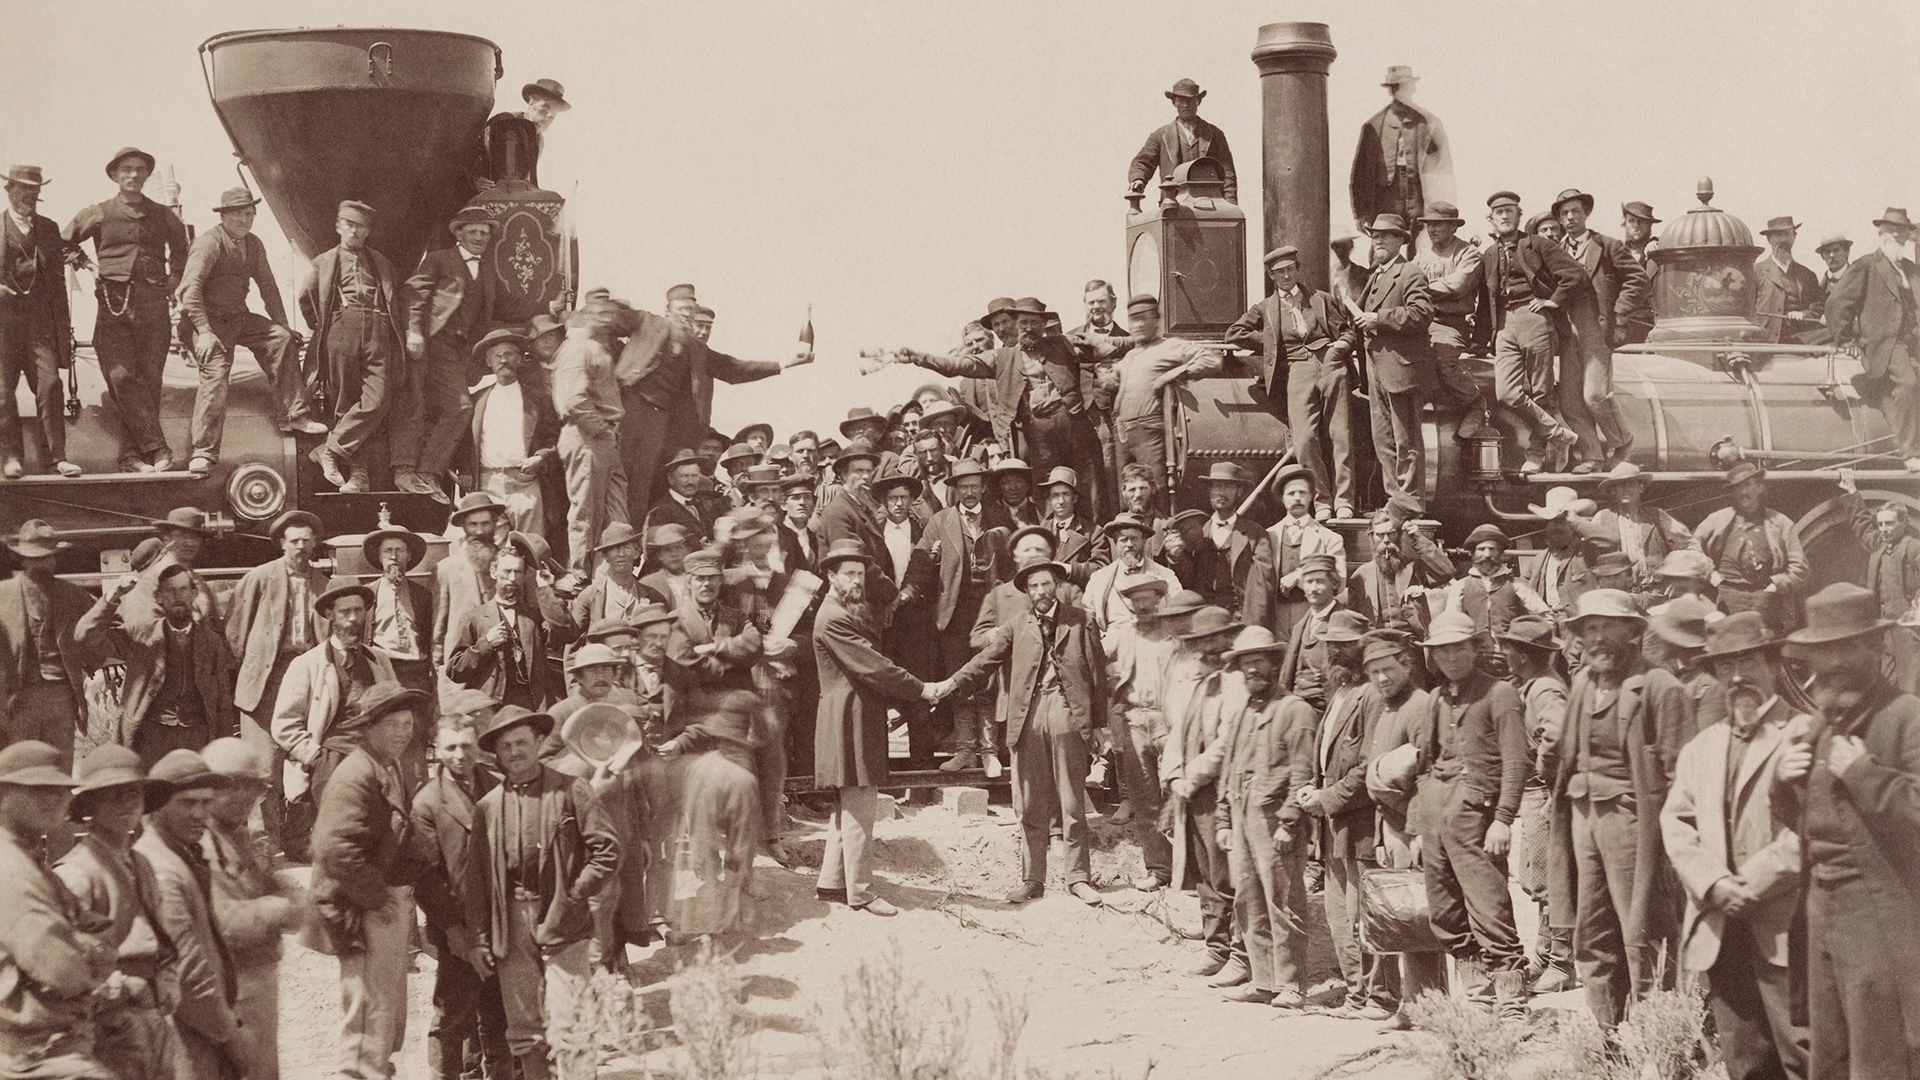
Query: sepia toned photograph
[1127, 540]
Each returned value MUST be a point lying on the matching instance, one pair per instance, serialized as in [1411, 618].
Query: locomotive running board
[56, 480]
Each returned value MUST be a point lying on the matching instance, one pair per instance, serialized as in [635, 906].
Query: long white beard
[1893, 249]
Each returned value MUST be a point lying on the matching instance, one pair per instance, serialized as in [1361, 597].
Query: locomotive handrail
[387, 45]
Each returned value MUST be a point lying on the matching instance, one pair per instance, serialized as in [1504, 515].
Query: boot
[1510, 994]
[533, 1066]
[1475, 984]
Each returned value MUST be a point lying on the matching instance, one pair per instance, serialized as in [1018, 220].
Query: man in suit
[799, 540]
[35, 324]
[907, 638]
[587, 395]
[1527, 279]
[1758, 561]
[1395, 310]
[1099, 389]
[515, 432]
[1184, 140]
[715, 641]
[1125, 540]
[850, 734]
[1737, 858]
[1787, 298]
[501, 646]
[178, 690]
[1305, 667]
[270, 623]
[400, 621]
[462, 579]
[449, 306]
[1232, 534]
[1893, 575]
[853, 514]
[1872, 308]
[1304, 339]
[1836, 251]
[356, 306]
[1059, 514]
[1490, 595]
[1273, 595]
[1403, 152]
[42, 664]
[1055, 698]
[1390, 588]
[142, 251]
[967, 542]
[1619, 294]
[679, 506]
[1194, 682]
[1608, 771]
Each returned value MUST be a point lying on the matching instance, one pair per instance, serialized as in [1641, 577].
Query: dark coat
[320, 300]
[1867, 307]
[946, 529]
[1775, 293]
[69, 602]
[470, 664]
[1164, 151]
[847, 516]
[1367, 184]
[1260, 329]
[362, 846]
[653, 340]
[670, 511]
[1620, 285]
[791, 554]
[1398, 354]
[46, 289]
[1248, 548]
[856, 683]
[1018, 644]
[736, 641]
[1344, 807]
[144, 651]
[579, 853]
[1901, 564]
[437, 290]
[540, 425]
[1367, 591]
[1554, 274]
[452, 890]
[255, 621]
[1003, 369]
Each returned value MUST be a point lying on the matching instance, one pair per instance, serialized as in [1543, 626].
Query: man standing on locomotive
[1396, 309]
[35, 324]
[142, 249]
[449, 304]
[1526, 278]
[353, 302]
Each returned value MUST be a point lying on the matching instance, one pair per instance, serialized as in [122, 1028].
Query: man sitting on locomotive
[1527, 278]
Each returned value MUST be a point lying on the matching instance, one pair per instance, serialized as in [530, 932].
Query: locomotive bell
[1190, 251]
[1704, 290]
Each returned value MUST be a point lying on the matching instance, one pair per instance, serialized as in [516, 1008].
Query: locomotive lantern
[1191, 252]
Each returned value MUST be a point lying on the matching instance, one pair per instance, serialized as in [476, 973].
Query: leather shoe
[960, 762]
[1122, 814]
[306, 426]
[1554, 979]
[163, 460]
[1289, 998]
[13, 469]
[1249, 995]
[880, 907]
[1025, 891]
[200, 467]
[67, 469]
[1085, 893]
[1207, 964]
[357, 482]
[331, 465]
[1400, 1022]
[831, 896]
[1151, 883]
[1233, 974]
[991, 762]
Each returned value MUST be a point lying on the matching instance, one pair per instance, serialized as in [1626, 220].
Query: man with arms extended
[1893, 574]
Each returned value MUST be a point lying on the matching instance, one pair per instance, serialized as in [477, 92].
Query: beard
[1605, 658]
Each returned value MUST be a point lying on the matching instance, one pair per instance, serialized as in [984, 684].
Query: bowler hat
[1226, 472]
[1182, 602]
[381, 700]
[28, 176]
[732, 721]
[1127, 520]
[238, 198]
[469, 215]
[1896, 216]
[1186, 88]
[337, 589]
[1140, 302]
[1400, 73]
[996, 306]
[416, 545]
[1449, 628]
[1562, 502]
[233, 759]
[1685, 563]
[668, 535]
[1737, 634]
[857, 452]
[745, 432]
[600, 731]
[1532, 631]
[616, 534]
[37, 540]
[1053, 540]
[1252, 640]
[496, 337]
[843, 551]
[1840, 611]
[188, 518]
[548, 89]
[126, 152]
[33, 763]
[1346, 625]
[1011, 465]
[1833, 240]
[1483, 533]
[1389, 223]
[1502, 198]
[1625, 472]
[1639, 210]
[1210, 621]
[1781, 224]
[858, 416]
[882, 484]
[1744, 470]
[1060, 474]
[354, 210]
[473, 502]
[178, 771]
[510, 717]
[1606, 603]
[1571, 195]
[1291, 473]
[1280, 254]
[1682, 622]
[291, 518]
[1021, 575]
[591, 654]
[1443, 211]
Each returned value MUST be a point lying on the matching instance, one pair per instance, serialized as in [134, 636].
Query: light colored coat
[306, 711]
[204, 1016]
[255, 622]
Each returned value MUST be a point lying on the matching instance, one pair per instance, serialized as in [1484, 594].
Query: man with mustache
[42, 692]
[1738, 860]
[1854, 785]
[1893, 574]
[1626, 721]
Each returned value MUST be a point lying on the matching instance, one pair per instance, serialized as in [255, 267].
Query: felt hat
[590, 655]
[548, 89]
[600, 731]
[1612, 564]
[32, 763]
[1028, 305]
[1532, 631]
[28, 176]
[858, 416]
[1483, 533]
[1605, 603]
[764, 429]
[1389, 223]
[356, 211]
[510, 717]
[609, 627]
[1562, 502]
[1210, 621]
[1052, 539]
[616, 534]
[1625, 472]
[381, 700]
[108, 766]
[533, 547]
[337, 589]
[468, 702]
[144, 553]
[189, 518]
[1020, 576]
[496, 337]
[469, 215]
[237, 198]
[294, 517]
[702, 562]
[1060, 474]
[1838, 612]
[843, 551]
[1571, 195]
[1280, 254]
[1346, 625]
[1687, 564]
[857, 452]
[648, 615]
[732, 721]
[1502, 198]
[416, 545]
[1780, 225]
[233, 759]
[473, 502]
[765, 474]
[668, 535]
[1144, 583]
[883, 484]
[1011, 465]
[1291, 473]
[1251, 641]
[1744, 470]
[1399, 73]
[1449, 628]
[1182, 602]
[1186, 88]
[126, 152]
[738, 452]
[939, 408]
[1639, 210]
[1143, 302]
[1443, 211]
[1896, 216]
[996, 306]
[178, 771]
[1737, 634]
[1184, 516]
[1227, 472]
[1382, 648]
[684, 457]
[1833, 240]
[1682, 622]
[800, 481]
[37, 540]
[1127, 520]
[966, 467]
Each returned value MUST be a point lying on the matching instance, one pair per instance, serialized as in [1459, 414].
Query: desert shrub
[1469, 1042]
[891, 1027]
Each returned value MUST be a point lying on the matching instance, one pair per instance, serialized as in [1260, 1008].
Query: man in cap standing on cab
[355, 305]
[36, 325]
[1619, 293]
[141, 247]
[1304, 339]
[549, 846]
[449, 302]
[1184, 140]
[1872, 308]
[1527, 279]
[1854, 786]
[42, 693]
[224, 262]
[1395, 310]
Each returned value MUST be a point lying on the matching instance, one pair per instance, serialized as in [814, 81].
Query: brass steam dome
[1703, 287]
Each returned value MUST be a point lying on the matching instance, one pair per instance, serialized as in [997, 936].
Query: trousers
[272, 347]
[526, 511]
[1901, 405]
[433, 413]
[1614, 972]
[1456, 389]
[1586, 383]
[132, 347]
[1523, 373]
[849, 831]
[1268, 888]
[1212, 878]
[1050, 763]
[1752, 1004]
[134, 1041]
[1048, 442]
[596, 492]
[362, 358]
[1139, 733]
[1468, 903]
[30, 350]
[1863, 979]
[1368, 976]
[1318, 420]
[1419, 972]
[1397, 443]
[646, 444]
[257, 1006]
[373, 991]
[47, 711]
[543, 990]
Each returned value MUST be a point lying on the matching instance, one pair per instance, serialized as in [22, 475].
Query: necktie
[402, 618]
[298, 604]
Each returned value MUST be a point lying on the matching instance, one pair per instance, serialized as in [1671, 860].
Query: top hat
[126, 152]
[1571, 195]
[291, 518]
[416, 545]
[1251, 641]
[1895, 215]
[1840, 611]
[1389, 223]
[843, 551]
[1781, 224]
[1443, 211]
[27, 176]
[37, 540]
[1737, 634]
[1449, 628]
[238, 198]
[1639, 210]
[469, 215]
[510, 717]
[1186, 88]
[1400, 73]
[548, 89]
[188, 518]
[1606, 603]
[1562, 502]
[1210, 621]
[471, 503]
[1021, 575]
[1226, 472]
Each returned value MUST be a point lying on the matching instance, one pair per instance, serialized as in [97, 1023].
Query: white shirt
[25, 227]
[503, 428]
[899, 539]
[1220, 529]
[393, 636]
[620, 600]
[1577, 245]
[473, 264]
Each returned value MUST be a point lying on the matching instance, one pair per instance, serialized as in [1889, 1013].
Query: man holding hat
[1184, 140]
[207, 1040]
[1836, 251]
[401, 620]
[1404, 157]
[356, 306]
[1305, 341]
[1527, 279]
[1152, 362]
[141, 247]
[1645, 534]
[270, 623]
[36, 326]
[1452, 269]
[1787, 298]
[177, 691]
[365, 863]
[1872, 308]
[449, 306]
[1391, 588]
[1853, 785]
[515, 431]
[1738, 858]
[587, 396]
[42, 690]
[224, 261]
[1758, 562]
[115, 884]
[1395, 309]
[1608, 771]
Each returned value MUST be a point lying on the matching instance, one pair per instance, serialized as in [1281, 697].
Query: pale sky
[897, 164]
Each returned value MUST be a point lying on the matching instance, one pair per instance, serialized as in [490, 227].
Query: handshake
[934, 691]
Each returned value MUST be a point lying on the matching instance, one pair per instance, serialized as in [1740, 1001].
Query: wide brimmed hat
[1389, 223]
[416, 545]
[1011, 465]
[844, 551]
[37, 540]
[857, 452]
[1687, 564]
[1738, 634]
[997, 306]
[1533, 632]
[1896, 216]
[469, 702]
[126, 152]
[1682, 622]
[1483, 533]
[684, 457]
[496, 337]
[510, 717]
[1294, 472]
[1345, 626]
[1606, 603]
[234, 760]
[1021, 575]
[1443, 211]
[380, 700]
[337, 588]
[189, 518]
[238, 198]
[1028, 305]
[591, 654]
[646, 615]
[32, 763]
[764, 429]
[1571, 195]
[1210, 621]
[938, 409]
[1449, 628]
[1186, 88]
[600, 732]
[1400, 73]
[1253, 640]
[549, 89]
[1780, 225]
[738, 452]
[180, 770]
[1639, 210]
[1624, 473]
[144, 553]
[858, 416]
[1562, 502]
[294, 517]
[1831, 241]
[617, 534]
[1226, 472]
[473, 503]
[109, 766]
[1840, 611]
[1742, 471]
[668, 535]
[27, 176]
[1182, 602]
[890, 480]
[966, 467]
[1024, 531]
[1127, 520]
[1612, 564]
[1144, 583]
